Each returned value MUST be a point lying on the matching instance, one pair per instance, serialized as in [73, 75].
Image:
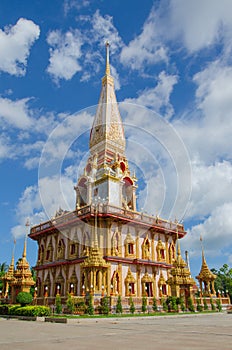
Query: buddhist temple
[106, 246]
[180, 281]
[206, 278]
[19, 279]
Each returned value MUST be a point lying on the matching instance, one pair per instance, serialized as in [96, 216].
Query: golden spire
[107, 58]
[107, 131]
[25, 241]
[11, 267]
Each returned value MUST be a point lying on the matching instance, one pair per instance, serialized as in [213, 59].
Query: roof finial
[107, 58]
[25, 241]
[178, 244]
[202, 249]
[11, 267]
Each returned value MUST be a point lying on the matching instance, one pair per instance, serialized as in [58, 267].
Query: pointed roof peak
[25, 240]
[107, 72]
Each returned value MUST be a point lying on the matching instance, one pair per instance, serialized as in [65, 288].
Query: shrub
[190, 305]
[104, 307]
[132, 306]
[154, 304]
[90, 307]
[30, 310]
[4, 309]
[24, 298]
[199, 306]
[119, 305]
[205, 304]
[12, 310]
[58, 304]
[172, 303]
[144, 304]
[164, 304]
[80, 306]
[213, 307]
[70, 304]
[180, 301]
[219, 305]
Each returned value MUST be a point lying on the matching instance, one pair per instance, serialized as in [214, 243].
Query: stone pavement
[198, 331]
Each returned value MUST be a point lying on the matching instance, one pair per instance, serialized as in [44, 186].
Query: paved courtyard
[169, 332]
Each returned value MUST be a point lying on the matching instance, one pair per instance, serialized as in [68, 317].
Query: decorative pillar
[152, 247]
[138, 281]
[137, 244]
[166, 248]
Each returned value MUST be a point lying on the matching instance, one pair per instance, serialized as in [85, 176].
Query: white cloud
[104, 30]
[199, 23]
[215, 230]
[158, 98]
[55, 192]
[114, 73]
[146, 48]
[70, 5]
[6, 150]
[207, 130]
[15, 44]
[65, 53]
[162, 157]
[211, 186]
[15, 113]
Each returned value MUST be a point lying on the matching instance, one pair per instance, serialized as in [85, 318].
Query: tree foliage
[3, 270]
[90, 307]
[132, 306]
[223, 281]
[58, 304]
[24, 298]
[119, 305]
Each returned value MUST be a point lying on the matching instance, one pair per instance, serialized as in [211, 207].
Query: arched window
[127, 193]
[82, 191]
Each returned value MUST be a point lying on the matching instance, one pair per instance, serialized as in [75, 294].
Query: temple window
[147, 285]
[73, 249]
[164, 289]
[129, 246]
[130, 283]
[162, 254]
[131, 288]
[82, 192]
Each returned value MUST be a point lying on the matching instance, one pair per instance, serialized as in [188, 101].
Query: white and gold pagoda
[105, 245]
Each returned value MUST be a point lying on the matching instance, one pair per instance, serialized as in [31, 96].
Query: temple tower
[206, 277]
[107, 175]
[105, 245]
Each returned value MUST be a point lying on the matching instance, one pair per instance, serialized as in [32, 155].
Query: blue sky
[171, 61]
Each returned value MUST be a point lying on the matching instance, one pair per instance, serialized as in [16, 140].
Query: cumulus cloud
[104, 30]
[158, 98]
[147, 48]
[162, 157]
[215, 230]
[211, 186]
[15, 44]
[205, 127]
[41, 203]
[65, 52]
[15, 113]
[199, 23]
